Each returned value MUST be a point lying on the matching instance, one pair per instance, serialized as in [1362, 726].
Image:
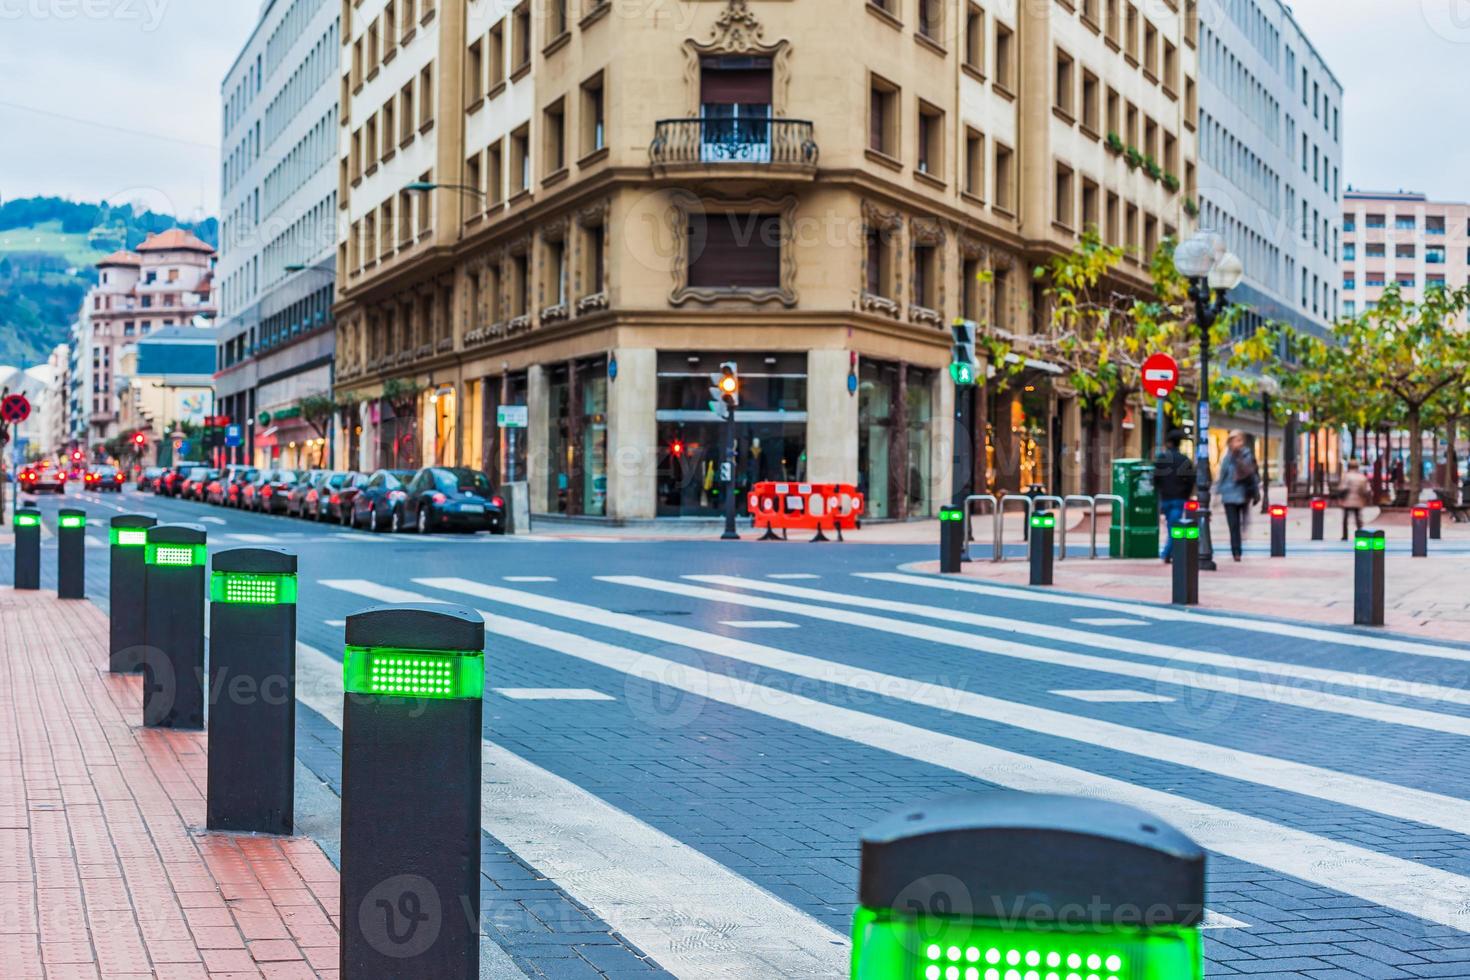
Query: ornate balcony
[721, 146]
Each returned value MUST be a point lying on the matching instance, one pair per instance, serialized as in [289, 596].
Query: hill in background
[48, 247]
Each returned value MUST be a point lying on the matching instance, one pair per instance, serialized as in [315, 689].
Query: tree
[320, 411]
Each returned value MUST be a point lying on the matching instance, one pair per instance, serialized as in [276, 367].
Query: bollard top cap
[1436, 505]
[1277, 510]
[417, 626]
[1370, 532]
[177, 534]
[1319, 504]
[71, 512]
[1191, 506]
[1041, 856]
[261, 561]
[134, 520]
[1419, 513]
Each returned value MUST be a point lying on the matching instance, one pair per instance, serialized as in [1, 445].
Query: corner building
[626, 195]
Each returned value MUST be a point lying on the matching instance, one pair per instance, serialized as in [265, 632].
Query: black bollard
[173, 627]
[1185, 565]
[128, 536]
[988, 885]
[1420, 525]
[951, 539]
[414, 678]
[71, 553]
[1278, 531]
[1319, 516]
[1043, 547]
[1436, 519]
[1368, 550]
[27, 549]
[252, 691]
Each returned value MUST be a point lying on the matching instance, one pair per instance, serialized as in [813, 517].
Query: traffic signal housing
[724, 390]
[963, 366]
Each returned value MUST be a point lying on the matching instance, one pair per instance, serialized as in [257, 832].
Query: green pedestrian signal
[963, 374]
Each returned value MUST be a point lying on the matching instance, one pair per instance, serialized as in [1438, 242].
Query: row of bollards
[71, 551]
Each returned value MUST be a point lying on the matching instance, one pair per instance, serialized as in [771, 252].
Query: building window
[1130, 231]
[1403, 251]
[1064, 98]
[931, 19]
[520, 161]
[1091, 218]
[405, 218]
[594, 123]
[522, 19]
[520, 287]
[735, 251]
[883, 117]
[970, 289]
[1112, 233]
[556, 273]
[1115, 113]
[474, 177]
[594, 259]
[426, 213]
[494, 174]
[1064, 196]
[1434, 255]
[926, 289]
[931, 140]
[1130, 33]
[385, 228]
[405, 113]
[1005, 65]
[1005, 178]
[1091, 110]
[879, 263]
[474, 73]
[426, 96]
[975, 38]
[558, 18]
[974, 163]
[554, 137]
[1113, 25]
[1150, 50]
[1171, 67]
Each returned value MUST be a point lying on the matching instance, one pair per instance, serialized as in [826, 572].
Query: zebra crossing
[849, 670]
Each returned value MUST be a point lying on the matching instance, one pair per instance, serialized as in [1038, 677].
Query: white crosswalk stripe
[552, 694]
[1109, 621]
[1395, 883]
[1114, 697]
[1315, 700]
[693, 915]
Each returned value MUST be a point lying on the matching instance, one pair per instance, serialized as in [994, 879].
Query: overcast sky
[119, 99]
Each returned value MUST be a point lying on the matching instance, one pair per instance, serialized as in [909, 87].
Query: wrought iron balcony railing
[706, 141]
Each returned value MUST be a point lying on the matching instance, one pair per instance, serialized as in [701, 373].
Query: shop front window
[577, 454]
[894, 464]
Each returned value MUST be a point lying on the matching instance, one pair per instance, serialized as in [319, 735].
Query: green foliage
[1134, 157]
[318, 411]
[1115, 142]
[400, 392]
[1171, 182]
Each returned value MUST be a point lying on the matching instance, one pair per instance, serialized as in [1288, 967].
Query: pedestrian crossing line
[1366, 683]
[529, 578]
[1359, 792]
[1109, 621]
[1377, 642]
[1296, 697]
[759, 624]
[212, 520]
[335, 622]
[372, 590]
[1414, 889]
[252, 538]
[1114, 697]
[552, 694]
[792, 575]
[693, 915]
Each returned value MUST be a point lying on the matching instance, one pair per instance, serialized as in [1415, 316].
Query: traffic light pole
[729, 478]
[962, 460]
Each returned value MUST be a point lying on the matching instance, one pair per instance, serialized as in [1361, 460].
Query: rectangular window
[474, 73]
[926, 290]
[1064, 212]
[1091, 110]
[1112, 234]
[931, 140]
[1150, 50]
[1005, 178]
[1091, 209]
[970, 290]
[522, 18]
[494, 174]
[1005, 66]
[520, 161]
[883, 117]
[1434, 255]
[931, 18]
[1064, 96]
[558, 18]
[474, 177]
[386, 241]
[520, 265]
[405, 113]
[879, 263]
[740, 251]
[370, 143]
[426, 96]
[1403, 251]
[405, 218]
[1130, 230]
[594, 260]
[426, 213]
[1434, 225]
[1115, 113]
[1171, 67]
[594, 122]
[556, 273]
[974, 163]
[975, 38]
[1375, 221]
[1113, 23]
[1130, 33]
[554, 137]
[495, 55]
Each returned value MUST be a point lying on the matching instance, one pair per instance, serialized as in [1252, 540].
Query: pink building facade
[1402, 238]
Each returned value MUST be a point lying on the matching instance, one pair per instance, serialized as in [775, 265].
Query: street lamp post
[1212, 272]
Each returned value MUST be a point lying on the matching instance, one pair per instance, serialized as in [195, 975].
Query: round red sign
[1160, 375]
[15, 408]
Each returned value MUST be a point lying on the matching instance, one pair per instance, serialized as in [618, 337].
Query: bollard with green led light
[1185, 564]
[1043, 551]
[1369, 547]
[1419, 527]
[1007, 886]
[27, 549]
[1319, 517]
[1436, 519]
[414, 678]
[1278, 531]
[128, 536]
[951, 539]
[173, 626]
[252, 691]
[71, 553]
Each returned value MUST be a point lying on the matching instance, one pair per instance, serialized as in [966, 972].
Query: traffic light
[139, 440]
[77, 455]
[963, 366]
[724, 390]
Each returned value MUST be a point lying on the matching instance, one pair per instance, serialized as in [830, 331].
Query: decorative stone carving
[678, 218]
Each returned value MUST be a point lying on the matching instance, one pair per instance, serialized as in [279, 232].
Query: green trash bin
[1133, 480]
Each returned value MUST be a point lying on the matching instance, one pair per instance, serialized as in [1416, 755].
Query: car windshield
[249, 475]
[286, 476]
[393, 479]
[336, 480]
[198, 473]
[105, 470]
[461, 480]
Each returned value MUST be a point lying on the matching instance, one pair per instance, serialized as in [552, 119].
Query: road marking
[1219, 920]
[759, 624]
[335, 622]
[212, 520]
[1286, 694]
[1360, 792]
[529, 578]
[1109, 621]
[372, 590]
[792, 575]
[252, 538]
[1115, 697]
[551, 694]
[1274, 628]
[690, 913]
[1414, 889]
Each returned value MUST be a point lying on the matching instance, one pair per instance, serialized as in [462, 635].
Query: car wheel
[395, 520]
[423, 521]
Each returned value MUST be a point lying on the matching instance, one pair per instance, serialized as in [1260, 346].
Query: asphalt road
[685, 739]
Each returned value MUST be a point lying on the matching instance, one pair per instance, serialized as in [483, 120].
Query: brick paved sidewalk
[105, 869]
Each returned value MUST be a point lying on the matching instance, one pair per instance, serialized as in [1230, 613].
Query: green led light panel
[247, 588]
[1183, 533]
[887, 946]
[391, 672]
[27, 520]
[128, 537]
[946, 514]
[1044, 520]
[1371, 544]
[174, 555]
[73, 520]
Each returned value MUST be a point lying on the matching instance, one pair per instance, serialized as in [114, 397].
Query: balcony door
[735, 109]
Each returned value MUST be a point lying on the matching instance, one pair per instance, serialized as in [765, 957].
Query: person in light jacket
[1355, 493]
[1238, 486]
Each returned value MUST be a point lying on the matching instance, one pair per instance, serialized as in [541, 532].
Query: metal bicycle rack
[994, 507]
[1091, 503]
[1027, 506]
[1118, 508]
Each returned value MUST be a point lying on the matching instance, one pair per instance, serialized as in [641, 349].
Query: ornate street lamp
[1212, 272]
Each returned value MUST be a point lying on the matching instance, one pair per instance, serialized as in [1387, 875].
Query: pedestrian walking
[1174, 477]
[1355, 493]
[1238, 487]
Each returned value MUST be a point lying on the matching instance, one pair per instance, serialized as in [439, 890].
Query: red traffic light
[677, 448]
[1420, 513]
[77, 455]
[1319, 505]
[1191, 506]
[139, 438]
[1278, 511]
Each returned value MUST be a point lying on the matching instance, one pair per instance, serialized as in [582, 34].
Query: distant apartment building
[169, 382]
[278, 228]
[575, 211]
[1270, 159]
[168, 281]
[1403, 238]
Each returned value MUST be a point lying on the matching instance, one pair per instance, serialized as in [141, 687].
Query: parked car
[339, 501]
[248, 498]
[42, 477]
[274, 489]
[316, 504]
[149, 476]
[103, 478]
[192, 487]
[296, 497]
[233, 484]
[452, 498]
[172, 479]
[379, 504]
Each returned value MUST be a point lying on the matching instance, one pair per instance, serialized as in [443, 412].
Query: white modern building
[1270, 159]
[277, 267]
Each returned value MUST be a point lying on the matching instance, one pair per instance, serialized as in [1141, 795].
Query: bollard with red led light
[951, 539]
[1319, 517]
[71, 553]
[1043, 551]
[1419, 518]
[414, 679]
[252, 691]
[1436, 518]
[27, 548]
[128, 536]
[1185, 566]
[1005, 886]
[173, 626]
[1278, 531]
[1369, 548]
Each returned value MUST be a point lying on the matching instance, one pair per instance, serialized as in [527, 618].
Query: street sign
[1160, 375]
[234, 436]
[15, 408]
[512, 416]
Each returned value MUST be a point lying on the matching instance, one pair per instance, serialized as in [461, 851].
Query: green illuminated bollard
[173, 626]
[1011, 886]
[27, 549]
[252, 691]
[128, 535]
[71, 553]
[1369, 548]
[1043, 550]
[414, 677]
[951, 539]
[1185, 566]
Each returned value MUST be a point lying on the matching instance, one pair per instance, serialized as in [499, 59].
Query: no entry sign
[1160, 375]
[15, 408]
